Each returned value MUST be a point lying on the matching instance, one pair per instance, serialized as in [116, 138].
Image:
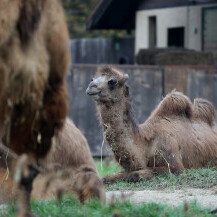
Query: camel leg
[139, 175]
[25, 173]
[148, 173]
[175, 166]
[117, 177]
[166, 165]
[135, 176]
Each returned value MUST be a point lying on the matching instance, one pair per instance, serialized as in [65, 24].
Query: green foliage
[71, 207]
[78, 11]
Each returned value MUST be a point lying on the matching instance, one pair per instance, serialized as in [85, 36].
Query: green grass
[108, 167]
[202, 178]
[192, 178]
[71, 207]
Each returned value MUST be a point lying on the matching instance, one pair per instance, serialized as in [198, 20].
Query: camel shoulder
[174, 104]
[204, 111]
[149, 129]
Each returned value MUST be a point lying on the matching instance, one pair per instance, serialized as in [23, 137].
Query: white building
[189, 24]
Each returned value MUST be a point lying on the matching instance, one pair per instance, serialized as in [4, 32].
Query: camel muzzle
[91, 91]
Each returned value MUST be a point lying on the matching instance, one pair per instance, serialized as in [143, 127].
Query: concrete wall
[147, 86]
[188, 17]
[195, 82]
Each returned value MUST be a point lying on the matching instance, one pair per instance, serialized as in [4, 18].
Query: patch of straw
[6, 175]
[104, 135]
[161, 154]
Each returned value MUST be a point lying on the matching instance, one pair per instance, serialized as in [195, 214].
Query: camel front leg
[139, 175]
[148, 173]
[134, 176]
[174, 166]
[25, 173]
[117, 177]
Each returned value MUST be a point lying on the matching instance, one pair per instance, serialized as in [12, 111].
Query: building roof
[113, 14]
[120, 14]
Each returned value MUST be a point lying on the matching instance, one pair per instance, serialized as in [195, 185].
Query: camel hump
[175, 103]
[205, 111]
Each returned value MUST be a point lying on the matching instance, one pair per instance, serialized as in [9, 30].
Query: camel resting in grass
[68, 168]
[177, 134]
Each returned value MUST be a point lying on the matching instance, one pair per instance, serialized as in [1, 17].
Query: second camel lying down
[74, 171]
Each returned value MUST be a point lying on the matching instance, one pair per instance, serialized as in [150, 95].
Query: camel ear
[29, 19]
[126, 76]
[124, 79]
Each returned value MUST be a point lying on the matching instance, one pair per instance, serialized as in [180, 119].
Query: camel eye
[112, 83]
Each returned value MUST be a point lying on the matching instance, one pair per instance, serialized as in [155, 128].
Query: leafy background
[77, 12]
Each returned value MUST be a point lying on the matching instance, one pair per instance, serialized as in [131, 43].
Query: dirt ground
[206, 198]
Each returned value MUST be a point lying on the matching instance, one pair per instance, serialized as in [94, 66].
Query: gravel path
[207, 198]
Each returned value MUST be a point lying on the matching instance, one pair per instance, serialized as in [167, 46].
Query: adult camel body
[177, 134]
[34, 61]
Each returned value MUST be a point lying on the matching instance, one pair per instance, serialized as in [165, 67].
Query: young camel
[177, 134]
[74, 171]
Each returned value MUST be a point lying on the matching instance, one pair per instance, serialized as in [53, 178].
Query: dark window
[176, 37]
[123, 60]
[152, 32]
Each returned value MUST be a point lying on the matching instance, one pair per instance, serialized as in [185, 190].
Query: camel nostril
[93, 90]
[93, 85]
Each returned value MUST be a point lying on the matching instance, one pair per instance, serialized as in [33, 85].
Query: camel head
[109, 85]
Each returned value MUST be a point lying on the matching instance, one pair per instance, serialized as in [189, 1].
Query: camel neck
[119, 116]
[120, 131]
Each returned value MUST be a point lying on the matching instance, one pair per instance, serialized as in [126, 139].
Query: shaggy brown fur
[71, 149]
[74, 171]
[177, 135]
[204, 111]
[34, 60]
[77, 171]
